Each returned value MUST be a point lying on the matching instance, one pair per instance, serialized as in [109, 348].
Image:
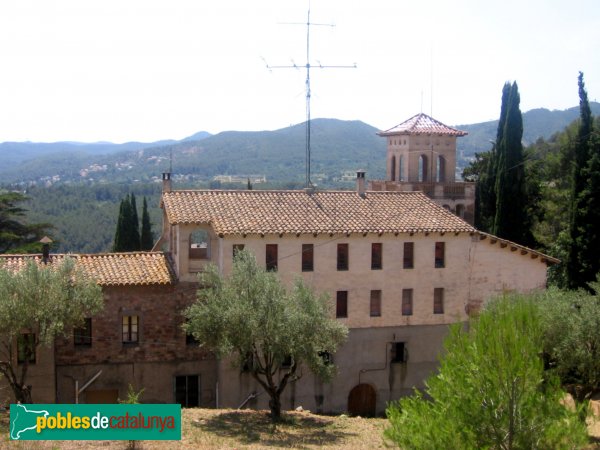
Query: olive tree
[269, 330]
[37, 304]
[571, 322]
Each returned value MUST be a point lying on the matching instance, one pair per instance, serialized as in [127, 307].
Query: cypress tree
[127, 235]
[135, 225]
[119, 237]
[485, 190]
[147, 240]
[583, 262]
[511, 220]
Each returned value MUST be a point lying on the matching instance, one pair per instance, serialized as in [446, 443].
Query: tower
[421, 156]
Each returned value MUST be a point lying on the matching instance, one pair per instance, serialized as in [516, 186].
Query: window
[199, 245]
[376, 256]
[248, 362]
[375, 309]
[342, 257]
[82, 336]
[190, 339]
[438, 301]
[237, 248]
[130, 329]
[401, 169]
[271, 257]
[287, 362]
[439, 254]
[307, 258]
[187, 390]
[26, 348]
[409, 255]
[398, 352]
[341, 306]
[407, 302]
[326, 357]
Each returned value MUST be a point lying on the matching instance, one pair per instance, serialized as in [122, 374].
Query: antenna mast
[308, 66]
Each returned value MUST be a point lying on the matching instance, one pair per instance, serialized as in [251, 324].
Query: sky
[145, 70]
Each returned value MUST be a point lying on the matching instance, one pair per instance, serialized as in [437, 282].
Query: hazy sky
[120, 70]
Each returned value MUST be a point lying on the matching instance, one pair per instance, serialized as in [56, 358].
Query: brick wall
[161, 338]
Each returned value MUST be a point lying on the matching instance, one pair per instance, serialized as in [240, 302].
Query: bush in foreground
[491, 390]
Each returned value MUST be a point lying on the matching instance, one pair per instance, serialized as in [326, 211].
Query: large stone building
[421, 156]
[398, 268]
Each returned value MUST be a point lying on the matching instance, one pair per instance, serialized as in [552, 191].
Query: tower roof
[422, 124]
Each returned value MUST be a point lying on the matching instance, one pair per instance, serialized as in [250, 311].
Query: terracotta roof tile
[298, 212]
[423, 124]
[111, 269]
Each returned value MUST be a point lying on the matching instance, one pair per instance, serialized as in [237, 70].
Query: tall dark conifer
[583, 262]
[127, 235]
[147, 240]
[511, 220]
[119, 237]
[135, 224]
[485, 213]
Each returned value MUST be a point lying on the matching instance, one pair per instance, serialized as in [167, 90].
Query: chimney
[46, 241]
[166, 180]
[360, 182]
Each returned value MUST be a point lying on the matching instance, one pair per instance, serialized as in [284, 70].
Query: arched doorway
[362, 400]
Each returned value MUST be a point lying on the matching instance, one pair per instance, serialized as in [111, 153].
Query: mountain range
[338, 148]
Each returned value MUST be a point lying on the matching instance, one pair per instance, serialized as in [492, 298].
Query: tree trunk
[22, 393]
[275, 405]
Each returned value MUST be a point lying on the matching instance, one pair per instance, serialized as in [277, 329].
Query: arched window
[440, 175]
[423, 169]
[393, 169]
[460, 210]
[401, 168]
[199, 245]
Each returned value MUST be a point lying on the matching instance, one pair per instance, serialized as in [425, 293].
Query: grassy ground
[232, 429]
[205, 429]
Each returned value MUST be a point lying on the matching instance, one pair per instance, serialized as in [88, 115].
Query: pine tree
[583, 262]
[511, 220]
[147, 240]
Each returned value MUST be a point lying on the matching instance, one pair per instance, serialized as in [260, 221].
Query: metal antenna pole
[308, 91]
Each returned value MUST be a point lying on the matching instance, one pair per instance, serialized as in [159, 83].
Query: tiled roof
[110, 269]
[423, 124]
[513, 246]
[299, 212]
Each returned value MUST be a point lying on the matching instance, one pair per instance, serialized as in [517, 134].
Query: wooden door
[362, 401]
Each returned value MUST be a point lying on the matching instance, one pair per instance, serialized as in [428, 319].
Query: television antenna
[309, 66]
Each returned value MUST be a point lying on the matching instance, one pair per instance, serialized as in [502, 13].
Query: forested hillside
[537, 123]
[85, 217]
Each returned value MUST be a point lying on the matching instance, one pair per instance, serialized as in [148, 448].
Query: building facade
[398, 269]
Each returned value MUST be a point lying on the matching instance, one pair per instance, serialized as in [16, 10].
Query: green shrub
[491, 390]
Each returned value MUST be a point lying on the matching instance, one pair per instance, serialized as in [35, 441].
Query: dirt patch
[219, 429]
